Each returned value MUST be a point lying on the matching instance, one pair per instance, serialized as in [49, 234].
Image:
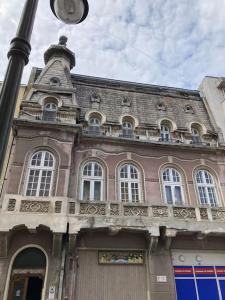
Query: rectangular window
[178, 195]
[202, 195]
[33, 183]
[169, 198]
[124, 191]
[97, 190]
[212, 196]
[134, 192]
[86, 190]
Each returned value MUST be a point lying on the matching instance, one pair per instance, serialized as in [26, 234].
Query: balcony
[56, 212]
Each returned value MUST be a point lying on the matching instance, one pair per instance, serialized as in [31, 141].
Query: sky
[164, 42]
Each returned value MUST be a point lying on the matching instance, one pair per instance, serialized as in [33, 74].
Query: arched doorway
[27, 275]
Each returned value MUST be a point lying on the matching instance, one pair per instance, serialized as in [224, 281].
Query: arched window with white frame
[129, 184]
[40, 174]
[172, 187]
[92, 182]
[164, 133]
[206, 188]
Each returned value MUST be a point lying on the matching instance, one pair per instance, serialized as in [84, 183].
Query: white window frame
[165, 134]
[41, 169]
[205, 186]
[173, 184]
[92, 179]
[129, 181]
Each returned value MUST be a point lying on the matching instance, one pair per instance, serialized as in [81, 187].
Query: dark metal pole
[18, 57]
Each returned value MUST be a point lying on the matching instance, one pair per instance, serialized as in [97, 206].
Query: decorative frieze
[11, 204]
[203, 214]
[184, 212]
[34, 206]
[114, 210]
[136, 211]
[160, 211]
[92, 209]
[218, 214]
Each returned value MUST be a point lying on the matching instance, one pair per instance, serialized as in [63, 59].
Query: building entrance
[26, 287]
[27, 275]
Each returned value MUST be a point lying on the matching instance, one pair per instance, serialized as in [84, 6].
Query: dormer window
[54, 81]
[127, 128]
[195, 136]
[164, 133]
[94, 126]
[49, 112]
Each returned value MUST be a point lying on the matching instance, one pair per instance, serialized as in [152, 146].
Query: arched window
[49, 112]
[206, 188]
[92, 182]
[195, 136]
[172, 186]
[94, 126]
[127, 128]
[129, 184]
[164, 133]
[40, 174]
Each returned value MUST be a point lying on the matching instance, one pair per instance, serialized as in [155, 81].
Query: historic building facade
[115, 191]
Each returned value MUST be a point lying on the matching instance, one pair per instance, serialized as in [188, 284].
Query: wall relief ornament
[184, 212]
[133, 211]
[114, 210]
[203, 213]
[160, 211]
[34, 206]
[92, 209]
[218, 214]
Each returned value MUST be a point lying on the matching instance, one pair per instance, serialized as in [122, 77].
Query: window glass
[172, 186]
[206, 188]
[40, 174]
[129, 184]
[92, 182]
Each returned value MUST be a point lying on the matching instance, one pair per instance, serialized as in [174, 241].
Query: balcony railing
[17, 204]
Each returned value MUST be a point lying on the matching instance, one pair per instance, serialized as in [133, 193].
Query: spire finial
[63, 40]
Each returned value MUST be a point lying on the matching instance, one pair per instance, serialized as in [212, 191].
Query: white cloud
[165, 42]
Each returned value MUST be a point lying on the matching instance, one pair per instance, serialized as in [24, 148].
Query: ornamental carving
[184, 213]
[114, 210]
[11, 204]
[136, 211]
[204, 213]
[92, 209]
[160, 211]
[34, 206]
[218, 214]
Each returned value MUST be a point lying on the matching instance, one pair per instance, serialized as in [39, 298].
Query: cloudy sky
[165, 42]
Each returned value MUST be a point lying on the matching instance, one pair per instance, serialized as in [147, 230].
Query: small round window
[54, 81]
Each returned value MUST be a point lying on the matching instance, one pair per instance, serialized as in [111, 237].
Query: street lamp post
[70, 12]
